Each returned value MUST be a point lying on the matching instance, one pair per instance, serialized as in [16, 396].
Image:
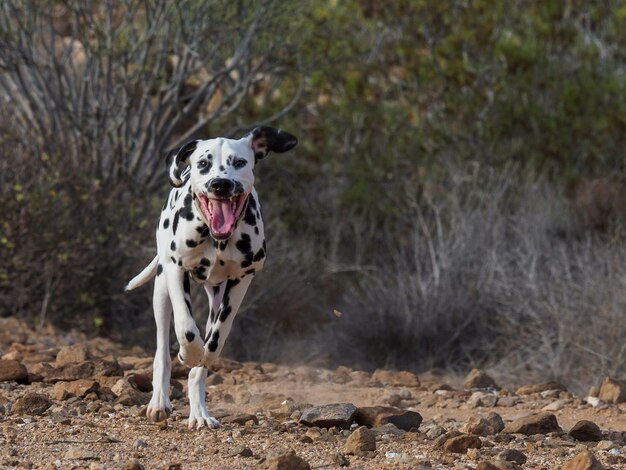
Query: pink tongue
[223, 217]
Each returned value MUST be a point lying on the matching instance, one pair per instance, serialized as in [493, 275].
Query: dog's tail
[144, 276]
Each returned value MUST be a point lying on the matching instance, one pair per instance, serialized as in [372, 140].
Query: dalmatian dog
[210, 231]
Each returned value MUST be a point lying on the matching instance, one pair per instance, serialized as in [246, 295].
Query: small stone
[76, 453]
[214, 379]
[543, 423]
[134, 465]
[586, 431]
[485, 426]
[340, 460]
[175, 466]
[512, 455]
[479, 379]
[141, 382]
[12, 371]
[361, 440]
[612, 391]
[241, 419]
[139, 444]
[284, 460]
[507, 402]
[482, 399]
[326, 416]
[381, 415]
[77, 388]
[539, 388]
[435, 431]
[460, 444]
[33, 404]
[241, 451]
[554, 406]
[583, 461]
[72, 354]
[606, 445]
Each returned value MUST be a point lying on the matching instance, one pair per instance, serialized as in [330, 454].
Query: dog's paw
[191, 353]
[159, 408]
[199, 419]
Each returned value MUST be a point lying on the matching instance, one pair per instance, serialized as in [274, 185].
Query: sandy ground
[95, 418]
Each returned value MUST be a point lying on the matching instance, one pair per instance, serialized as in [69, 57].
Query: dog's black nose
[221, 186]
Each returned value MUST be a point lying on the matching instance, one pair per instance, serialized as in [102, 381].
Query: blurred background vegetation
[457, 199]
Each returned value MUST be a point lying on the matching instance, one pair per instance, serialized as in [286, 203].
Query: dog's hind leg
[221, 322]
[160, 408]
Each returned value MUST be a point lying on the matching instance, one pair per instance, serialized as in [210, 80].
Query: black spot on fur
[216, 289]
[252, 202]
[243, 244]
[246, 263]
[249, 217]
[222, 168]
[166, 223]
[251, 271]
[173, 259]
[188, 306]
[225, 313]
[202, 277]
[175, 222]
[205, 262]
[190, 336]
[186, 284]
[203, 230]
[221, 263]
[159, 269]
[191, 243]
[180, 262]
[173, 246]
[259, 255]
[186, 212]
[233, 283]
[238, 187]
[256, 230]
[229, 160]
[214, 341]
[205, 170]
[223, 245]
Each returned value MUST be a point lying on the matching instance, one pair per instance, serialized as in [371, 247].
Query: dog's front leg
[222, 316]
[159, 407]
[187, 333]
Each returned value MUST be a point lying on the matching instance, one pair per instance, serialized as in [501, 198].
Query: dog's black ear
[264, 139]
[176, 159]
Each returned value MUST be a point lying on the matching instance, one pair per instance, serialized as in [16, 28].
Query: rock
[134, 465]
[586, 431]
[498, 465]
[142, 382]
[512, 455]
[72, 354]
[128, 395]
[77, 388]
[605, 445]
[612, 391]
[482, 399]
[435, 431]
[33, 404]
[340, 460]
[380, 415]
[82, 370]
[460, 444]
[12, 371]
[361, 440]
[583, 461]
[507, 402]
[482, 426]
[241, 451]
[396, 379]
[214, 379]
[542, 387]
[543, 423]
[326, 416]
[554, 406]
[139, 444]
[479, 379]
[241, 418]
[76, 453]
[285, 460]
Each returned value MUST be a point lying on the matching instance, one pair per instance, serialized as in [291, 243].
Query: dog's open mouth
[221, 214]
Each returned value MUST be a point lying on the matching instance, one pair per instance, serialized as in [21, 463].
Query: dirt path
[81, 407]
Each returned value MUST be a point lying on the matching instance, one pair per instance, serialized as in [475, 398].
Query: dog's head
[221, 173]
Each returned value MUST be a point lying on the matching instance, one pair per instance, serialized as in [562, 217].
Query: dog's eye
[240, 163]
[203, 163]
